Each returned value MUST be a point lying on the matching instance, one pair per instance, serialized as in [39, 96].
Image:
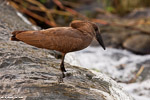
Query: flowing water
[121, 65]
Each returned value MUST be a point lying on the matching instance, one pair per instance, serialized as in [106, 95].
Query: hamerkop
[76, 37]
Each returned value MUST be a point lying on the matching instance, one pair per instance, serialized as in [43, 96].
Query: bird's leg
[62, 68]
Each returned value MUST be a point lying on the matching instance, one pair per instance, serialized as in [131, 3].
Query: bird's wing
[64, 39]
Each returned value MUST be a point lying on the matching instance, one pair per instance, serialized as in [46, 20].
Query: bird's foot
[60, 78]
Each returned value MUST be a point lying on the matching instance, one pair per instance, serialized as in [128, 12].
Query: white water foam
[108, 61]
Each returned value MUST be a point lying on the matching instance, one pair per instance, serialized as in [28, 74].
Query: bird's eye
[96, 28]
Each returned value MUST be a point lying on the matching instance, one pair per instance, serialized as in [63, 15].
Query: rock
[31, 73]
[138, 44]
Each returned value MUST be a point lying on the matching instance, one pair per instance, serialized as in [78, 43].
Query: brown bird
[76, 37]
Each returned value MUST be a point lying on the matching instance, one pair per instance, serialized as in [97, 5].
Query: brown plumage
[63, 39]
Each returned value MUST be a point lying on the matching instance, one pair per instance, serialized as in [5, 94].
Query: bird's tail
[13, 37]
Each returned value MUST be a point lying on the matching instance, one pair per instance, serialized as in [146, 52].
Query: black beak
[100, 40]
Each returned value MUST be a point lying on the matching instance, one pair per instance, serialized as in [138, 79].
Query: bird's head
[89, 27]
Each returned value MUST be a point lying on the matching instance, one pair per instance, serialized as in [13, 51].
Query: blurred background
[125, 28]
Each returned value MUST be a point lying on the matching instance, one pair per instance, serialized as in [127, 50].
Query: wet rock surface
[30, 73]
[138, 44]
